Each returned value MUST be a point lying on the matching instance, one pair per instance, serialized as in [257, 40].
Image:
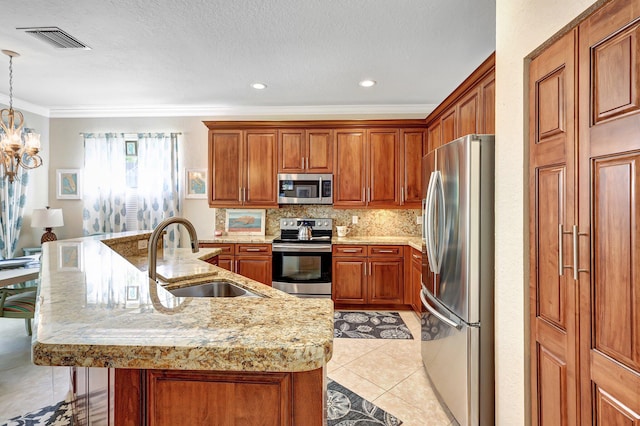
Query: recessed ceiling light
[367, 83]
[259, 86]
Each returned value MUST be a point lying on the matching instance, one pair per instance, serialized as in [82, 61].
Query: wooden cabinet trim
[319, 124]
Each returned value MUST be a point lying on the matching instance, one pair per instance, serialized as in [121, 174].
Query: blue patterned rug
[344, 408]
[370, 325]
[53, 415]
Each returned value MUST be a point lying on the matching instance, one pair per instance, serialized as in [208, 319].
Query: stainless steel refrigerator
[458, 275]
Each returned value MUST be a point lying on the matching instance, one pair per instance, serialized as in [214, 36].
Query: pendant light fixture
[17, 147]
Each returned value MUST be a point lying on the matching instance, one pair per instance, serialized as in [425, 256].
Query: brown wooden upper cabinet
[367, 168]
[242, 166]
[469, 109]
[305, 151]
[411, 152]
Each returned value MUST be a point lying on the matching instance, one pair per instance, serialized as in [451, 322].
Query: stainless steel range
[302, 263]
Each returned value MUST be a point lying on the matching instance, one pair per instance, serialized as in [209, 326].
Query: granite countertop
[415, 242]
[230, 239]
[98, 308]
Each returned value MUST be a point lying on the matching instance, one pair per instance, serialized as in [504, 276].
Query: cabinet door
[226, 262]
[349, 168]
[469, 113]
[383, 172]
[319, 150]
[488, 99]
[609, 213]
[411, 165]
[434, 133]
[349, 280]
[291, 151]
[448, 124]
[552, 199]
[207, 398]
[260, 176]
[257, 268]
[415, 283]
[386, 280]
[225, 168]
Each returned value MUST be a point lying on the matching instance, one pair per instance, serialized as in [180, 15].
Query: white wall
[521, 26]
[67, 143]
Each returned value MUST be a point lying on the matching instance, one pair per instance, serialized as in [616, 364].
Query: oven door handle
[301, 248]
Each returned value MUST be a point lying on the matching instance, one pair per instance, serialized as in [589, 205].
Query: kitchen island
[143, 356]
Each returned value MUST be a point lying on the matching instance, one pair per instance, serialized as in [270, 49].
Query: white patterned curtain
[158, 182]
[13, 197]
[104, 184]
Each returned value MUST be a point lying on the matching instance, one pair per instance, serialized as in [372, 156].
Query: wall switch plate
[354, 220]
[419, 220]
[142, 244]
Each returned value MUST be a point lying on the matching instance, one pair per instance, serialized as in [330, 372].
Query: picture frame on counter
[195, 183]
[68, 184]
[70, 256]
[245, 222]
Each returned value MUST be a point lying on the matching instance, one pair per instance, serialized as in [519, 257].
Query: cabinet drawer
[226, 248]
[395, 251]
[253, 249]
[346, 250]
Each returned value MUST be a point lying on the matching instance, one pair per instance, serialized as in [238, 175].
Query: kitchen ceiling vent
[55, 37]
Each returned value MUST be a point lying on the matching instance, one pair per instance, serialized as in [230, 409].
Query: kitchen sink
[213, 289]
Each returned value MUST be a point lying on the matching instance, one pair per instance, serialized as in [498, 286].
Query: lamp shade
[46, 218]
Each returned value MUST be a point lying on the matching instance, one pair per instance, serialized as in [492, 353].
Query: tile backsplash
[370, 221]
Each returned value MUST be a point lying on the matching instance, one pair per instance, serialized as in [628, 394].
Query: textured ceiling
[202, 55]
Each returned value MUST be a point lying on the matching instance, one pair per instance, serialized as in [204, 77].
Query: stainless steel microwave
[305, 188]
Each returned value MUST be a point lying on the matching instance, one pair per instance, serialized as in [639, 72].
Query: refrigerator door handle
[434, 311]
[439, 188]
[428, 225]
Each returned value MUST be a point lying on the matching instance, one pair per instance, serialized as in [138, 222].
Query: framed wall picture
[244, 222]
[70, 256]
[69, 184]
[131, 148]
[195, 183]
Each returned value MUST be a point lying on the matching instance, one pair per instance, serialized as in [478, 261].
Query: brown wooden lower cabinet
[249, 260]
[413, 280]
[368, 275]
[131, 397]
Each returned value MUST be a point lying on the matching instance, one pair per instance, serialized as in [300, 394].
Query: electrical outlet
[419, 220]
[354, 220]
[142, 244]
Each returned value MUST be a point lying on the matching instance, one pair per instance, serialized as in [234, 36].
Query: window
[131, 182]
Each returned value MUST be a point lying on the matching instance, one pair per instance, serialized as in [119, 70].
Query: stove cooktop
[321, 230]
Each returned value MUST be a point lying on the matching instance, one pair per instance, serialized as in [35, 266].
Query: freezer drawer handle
[437, 314]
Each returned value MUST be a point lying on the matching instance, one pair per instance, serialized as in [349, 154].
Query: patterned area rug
[53, 415]
[370, 325]
[344, 408]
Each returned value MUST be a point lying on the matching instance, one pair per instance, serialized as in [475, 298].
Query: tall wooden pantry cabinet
[584, 156]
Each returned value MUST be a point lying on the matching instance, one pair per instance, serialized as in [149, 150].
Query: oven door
[302, 269]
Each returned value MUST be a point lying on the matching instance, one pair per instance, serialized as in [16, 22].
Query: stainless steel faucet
[155, 235]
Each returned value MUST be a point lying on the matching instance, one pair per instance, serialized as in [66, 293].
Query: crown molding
[420, 111]
[22, 106]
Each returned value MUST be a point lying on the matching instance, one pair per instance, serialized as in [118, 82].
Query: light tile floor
[387, 372]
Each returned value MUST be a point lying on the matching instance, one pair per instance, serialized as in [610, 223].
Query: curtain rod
[128, 133]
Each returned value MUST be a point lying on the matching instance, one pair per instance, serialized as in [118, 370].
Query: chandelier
[17, 147]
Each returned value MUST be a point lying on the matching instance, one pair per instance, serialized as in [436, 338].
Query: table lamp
[47, 219]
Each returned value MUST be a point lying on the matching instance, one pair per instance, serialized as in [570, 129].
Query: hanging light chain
[10, 82]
